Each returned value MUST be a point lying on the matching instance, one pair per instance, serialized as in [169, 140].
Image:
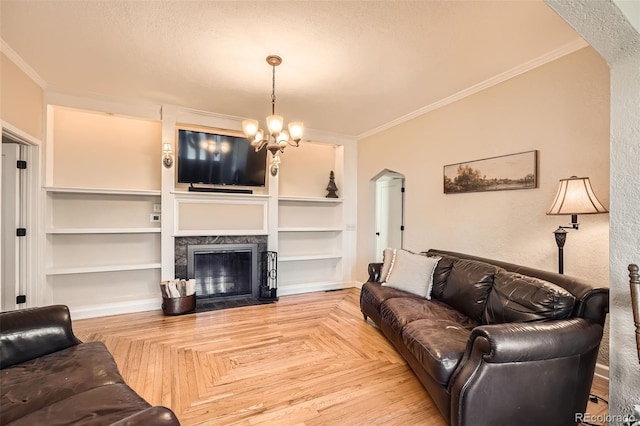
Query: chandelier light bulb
[283, 138]
[258, 138]
[274, 124]
[296, 129]
[250, 128]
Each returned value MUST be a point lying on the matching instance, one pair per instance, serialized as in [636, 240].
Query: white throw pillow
[412, 273]
[387, 259]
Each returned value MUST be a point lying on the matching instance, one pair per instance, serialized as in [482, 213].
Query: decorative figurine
[331, 187]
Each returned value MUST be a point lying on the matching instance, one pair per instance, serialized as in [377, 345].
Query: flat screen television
[211, 158]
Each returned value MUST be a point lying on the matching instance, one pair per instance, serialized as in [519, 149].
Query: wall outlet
[155, 217]
[157, 208]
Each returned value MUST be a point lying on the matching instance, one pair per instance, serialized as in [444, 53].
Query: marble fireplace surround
[181, 244]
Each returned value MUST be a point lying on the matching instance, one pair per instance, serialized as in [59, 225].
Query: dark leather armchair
[48, 376]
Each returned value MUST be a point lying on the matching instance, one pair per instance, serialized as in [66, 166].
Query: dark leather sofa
[496, 344]
[49, 377]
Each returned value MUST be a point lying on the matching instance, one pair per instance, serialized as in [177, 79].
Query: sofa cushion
[518, 298]
[412, 273]
[374, 294]
[468, 287]
[437, 344]
[401, 311]
[441, 275]
[103, 405]
[29, 386]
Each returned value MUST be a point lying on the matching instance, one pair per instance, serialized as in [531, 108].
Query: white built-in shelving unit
[310, 242]
[103, 254]
[81, 218]
[97, 236]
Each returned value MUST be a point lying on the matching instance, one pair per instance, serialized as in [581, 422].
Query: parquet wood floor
[305, 360]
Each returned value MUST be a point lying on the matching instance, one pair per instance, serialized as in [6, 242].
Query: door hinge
[402, 227]
[21, 164]
[21, 299]
[21, 232]
[402, 189]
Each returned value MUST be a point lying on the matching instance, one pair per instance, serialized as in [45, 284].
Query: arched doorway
[388, 193]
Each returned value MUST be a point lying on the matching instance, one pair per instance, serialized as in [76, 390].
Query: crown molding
[12, 131]
[103, 103]
[22, 64]
[497, 79]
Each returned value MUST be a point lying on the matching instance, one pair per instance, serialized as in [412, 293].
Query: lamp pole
[561, 238]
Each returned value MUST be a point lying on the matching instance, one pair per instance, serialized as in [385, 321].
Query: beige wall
[21, 99]
[305, 170]
[98, 150]
[560, 109]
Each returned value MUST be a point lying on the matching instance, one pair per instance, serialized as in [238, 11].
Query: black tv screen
[219, 159]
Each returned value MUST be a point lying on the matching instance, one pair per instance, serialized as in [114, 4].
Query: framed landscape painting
[513, 171]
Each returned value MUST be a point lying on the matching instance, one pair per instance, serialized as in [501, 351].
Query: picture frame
[504, 172]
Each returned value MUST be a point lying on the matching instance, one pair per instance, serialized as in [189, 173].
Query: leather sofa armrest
[31, 333]
[374, 272]
[157, 416]
[518, 342]
[509, 371]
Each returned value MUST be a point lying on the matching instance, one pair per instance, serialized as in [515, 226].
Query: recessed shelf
[107, 268]
[61, 231]
[309, 257]
[102, 191]
[310, 229]
[311, 199]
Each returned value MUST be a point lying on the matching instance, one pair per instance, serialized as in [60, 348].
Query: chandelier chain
[273, 91]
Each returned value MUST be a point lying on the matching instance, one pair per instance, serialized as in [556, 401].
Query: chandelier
[275, 139]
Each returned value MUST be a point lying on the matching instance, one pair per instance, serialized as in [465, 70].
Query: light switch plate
[157, 208]
[155, 217]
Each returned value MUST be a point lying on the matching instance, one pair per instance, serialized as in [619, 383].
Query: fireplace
[225, 291]
[223, 271]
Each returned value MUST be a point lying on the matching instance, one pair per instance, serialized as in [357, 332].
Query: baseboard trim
[117, 308]
[602, 371]
[128, 307]
[289, 290]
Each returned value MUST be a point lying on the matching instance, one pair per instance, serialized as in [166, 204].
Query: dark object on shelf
[331, 186]
[269, 285]
[50, 377]
[179, 305]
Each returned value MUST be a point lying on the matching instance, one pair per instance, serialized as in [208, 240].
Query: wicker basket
[179, 305]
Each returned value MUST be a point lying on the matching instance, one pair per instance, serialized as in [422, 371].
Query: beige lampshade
[575, 196]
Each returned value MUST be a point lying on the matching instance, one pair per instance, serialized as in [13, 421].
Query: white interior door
[12, 219]
[389, 212]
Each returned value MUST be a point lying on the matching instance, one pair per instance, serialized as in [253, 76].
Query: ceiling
[348, 66]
